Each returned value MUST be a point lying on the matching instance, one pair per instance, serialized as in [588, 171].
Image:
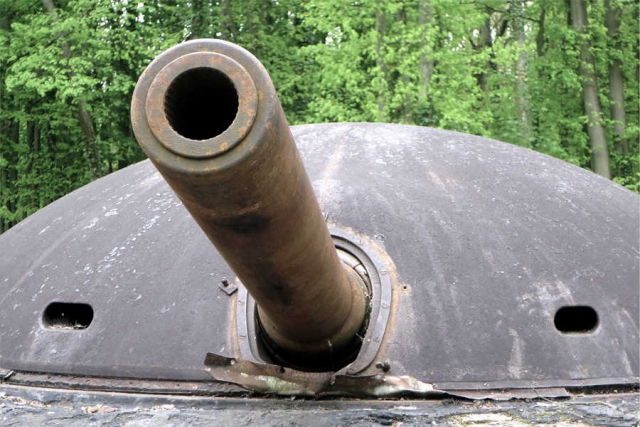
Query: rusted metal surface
[238, 172]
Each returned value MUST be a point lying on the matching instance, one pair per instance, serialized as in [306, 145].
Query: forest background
[557, 76]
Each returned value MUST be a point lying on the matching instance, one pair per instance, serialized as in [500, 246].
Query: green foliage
[508, 70]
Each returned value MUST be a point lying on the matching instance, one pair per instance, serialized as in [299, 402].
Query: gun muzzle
[207, 115]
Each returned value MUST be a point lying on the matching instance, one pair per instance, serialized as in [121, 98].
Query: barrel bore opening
[201, 103]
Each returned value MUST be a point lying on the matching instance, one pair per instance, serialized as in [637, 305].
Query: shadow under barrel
[207, 115]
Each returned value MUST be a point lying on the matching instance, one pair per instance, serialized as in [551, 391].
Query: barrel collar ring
[219, 144]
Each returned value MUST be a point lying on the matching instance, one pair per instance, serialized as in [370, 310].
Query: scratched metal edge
[121, 385]
[488, 390]
[524, 384]
[29, 406]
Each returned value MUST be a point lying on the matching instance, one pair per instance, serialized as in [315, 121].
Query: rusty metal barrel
[207, 115]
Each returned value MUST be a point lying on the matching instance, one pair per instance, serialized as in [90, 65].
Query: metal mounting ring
[366, 260]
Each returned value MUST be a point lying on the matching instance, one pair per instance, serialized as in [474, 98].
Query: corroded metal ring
[160, 124]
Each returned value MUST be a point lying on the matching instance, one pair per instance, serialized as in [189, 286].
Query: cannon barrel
[207, 115]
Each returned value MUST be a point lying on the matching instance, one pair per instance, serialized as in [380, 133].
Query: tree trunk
[13, 177]
[5, 126]
[198, 29]
[406, 109]
[251, 31]
[30, 202]
[229, 31]
[3, 183]
[523, 107]
[616, 91]
[540, 37]
[89, 139]
[84, 117]
[3, 136]
[381, 18]
[592, 108]
[485, 43]
[425, 21]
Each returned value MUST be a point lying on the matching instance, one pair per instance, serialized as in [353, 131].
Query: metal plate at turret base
[30, 406]
[510, 269]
